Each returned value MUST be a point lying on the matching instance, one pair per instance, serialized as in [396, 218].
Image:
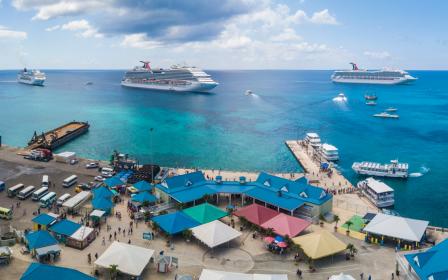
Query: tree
[243, 221]
[349, 224]
[187, 234]
[113, 271]
[336, 220]
[352, 249]
[269, 232]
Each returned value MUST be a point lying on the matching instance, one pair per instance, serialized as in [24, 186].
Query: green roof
[205, 213]
[358, 223]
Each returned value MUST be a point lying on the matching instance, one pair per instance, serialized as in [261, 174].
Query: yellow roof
[320, 244]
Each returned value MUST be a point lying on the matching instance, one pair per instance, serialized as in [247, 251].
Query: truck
[40, 155]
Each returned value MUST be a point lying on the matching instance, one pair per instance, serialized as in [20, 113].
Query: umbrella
[278, 238]
[269, 239]
[282, 244]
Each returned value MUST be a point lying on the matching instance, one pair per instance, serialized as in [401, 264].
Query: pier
[58, 136]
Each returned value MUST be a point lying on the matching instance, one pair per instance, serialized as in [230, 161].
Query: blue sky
[223, 34]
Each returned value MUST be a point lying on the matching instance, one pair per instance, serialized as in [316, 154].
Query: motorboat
[394, 169]
[370, 97]
[391, 109]
[371, 103]
[386, 115]
[340, 98]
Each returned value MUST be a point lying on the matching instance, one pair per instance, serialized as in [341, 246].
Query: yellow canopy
[320, 244]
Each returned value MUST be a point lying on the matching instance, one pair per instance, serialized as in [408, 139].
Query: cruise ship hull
[33, 82]
[372, 82]
[189, 87]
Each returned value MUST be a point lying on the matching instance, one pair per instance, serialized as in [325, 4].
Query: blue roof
[283, 201]
[39, 239]
[143, 196]
[143, 186]
[113, 182]
[191, 194]
[102, 203]
[65, 227]
[175, 222]
[102, 192]
[43, 219]
[432, 262]
[184, 180]
[38, 271]
[231, 187]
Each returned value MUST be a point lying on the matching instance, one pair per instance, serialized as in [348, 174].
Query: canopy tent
[113, 182]
[341, 276]
[357, 223]
[205, 213]
[143, 186]
[97, 213]
[256, 213]
[130, 259]
[38, 271]
[397, 227]
[175, 222]
[102, 192]
[215, 233]
[44, 219]
[143, 197]
[286, 225]
[320, 244]
[39, 239]
[208, 274]
[65, 227]
[102, 203]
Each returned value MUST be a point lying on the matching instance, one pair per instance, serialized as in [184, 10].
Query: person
[89, 258]
[110, 237]
[361, 275]
[104, 241]
[393, 276]
[129, 242]
[96, 256]
[299, 274]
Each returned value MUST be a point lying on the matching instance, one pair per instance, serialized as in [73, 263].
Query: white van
[45, 181]
[63, 198]
[107, 172]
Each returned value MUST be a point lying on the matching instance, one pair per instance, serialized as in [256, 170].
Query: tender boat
[370, 97]
[395, 169]
[371, 103]
[391, 109]
[313, 139]
[377, 192]
[340, 98]
[386, 115]
[329, 152]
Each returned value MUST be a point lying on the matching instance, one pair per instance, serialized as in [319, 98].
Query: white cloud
[378, 54]
[288, 34]
[323, 17]
[83, 27]
[62, 8]
[140, 41]
[52, 28]
[76, 25]
[6, 33]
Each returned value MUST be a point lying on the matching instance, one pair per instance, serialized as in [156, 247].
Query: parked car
[82, 187]
[74, 161]
[99, 178]
[92, 165]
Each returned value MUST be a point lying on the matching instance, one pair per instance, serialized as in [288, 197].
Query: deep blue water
[227, 129]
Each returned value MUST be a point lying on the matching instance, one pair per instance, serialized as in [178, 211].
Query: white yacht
[33, 77]
[329, 152]
[313, 139]
[386, 115]
[340, 98]
[377, 192]
[361, 76]
[395, 169]
[175, 78]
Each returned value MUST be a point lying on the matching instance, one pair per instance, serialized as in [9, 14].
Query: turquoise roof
[143, 196]
[38, 271]
[39, 239]
[65, 227]
[43, 219]
[143, 186]
[113, 182]
[431, 263]
[102, 203]
[102, 192]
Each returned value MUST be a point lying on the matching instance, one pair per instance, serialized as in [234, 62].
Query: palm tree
[336, 220]
[113, 271]
[352, 249]
[187, 234]
[269, 232]
[348, 223]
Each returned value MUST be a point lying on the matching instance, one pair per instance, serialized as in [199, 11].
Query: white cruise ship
[33, 77]
[313, 139]
[329, 152]
[377, 192]
[395, 169]
[176, 78]
[360, 76]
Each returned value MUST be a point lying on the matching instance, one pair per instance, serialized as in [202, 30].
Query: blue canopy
[143, 196]
[324, 165]
[65, 227]
[38, 271]
[175, 222]
[278, 238]
[142, 186]
[39, 239]
[102, 192]
[43, 219]
[113, 182]
[102, 203]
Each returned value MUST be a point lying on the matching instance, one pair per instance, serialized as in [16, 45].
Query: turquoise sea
[227, 129]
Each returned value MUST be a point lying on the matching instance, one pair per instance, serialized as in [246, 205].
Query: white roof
[84, 195]
[208, 274]
[215, 233]
[81, 233]
[130, 259]
[378, 186]
[329, 147]
[66, 154]
[312, 135]
[342, 276]
[97, 213]
[398, 227]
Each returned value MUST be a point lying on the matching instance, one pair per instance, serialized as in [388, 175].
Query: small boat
[248, 92]
[386, 115]
[89, 83]
[394, 169]
[391, 109]
[340, 98]
[370, 97]
[371, 103]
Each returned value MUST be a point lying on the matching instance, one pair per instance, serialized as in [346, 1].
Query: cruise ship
[176, 78]
[377, 192]
[394, 170]
[33, 77]
[360, 76]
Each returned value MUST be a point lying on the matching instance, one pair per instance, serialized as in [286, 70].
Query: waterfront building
[430, 264]
[42, 244]
[43, 221]
[73, 234]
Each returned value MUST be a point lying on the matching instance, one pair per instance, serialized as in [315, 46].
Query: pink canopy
[256, 214]
[283, 224]
[269, 239]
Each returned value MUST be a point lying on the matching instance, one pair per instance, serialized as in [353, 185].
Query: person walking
[361, 275]
[104, 241]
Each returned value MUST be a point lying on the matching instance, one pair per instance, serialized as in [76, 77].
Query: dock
[56, 137]
[305, 156]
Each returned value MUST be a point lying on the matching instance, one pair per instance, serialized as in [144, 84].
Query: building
[43, 221]
[73, 234]
[297, 198]
[37, 271]
[430, 264]
[42, 245]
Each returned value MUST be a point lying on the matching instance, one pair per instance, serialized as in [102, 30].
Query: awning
[320, 244]
[215, 233]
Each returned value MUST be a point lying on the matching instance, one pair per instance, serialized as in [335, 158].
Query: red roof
[256, 214]
[283, 224]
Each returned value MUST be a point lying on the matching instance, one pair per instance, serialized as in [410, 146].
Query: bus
[70, 181]
[45, 181]
[26, 192]
[6, 213]
[63, 198]
[39, 193]
[12, 191]
[48, 199]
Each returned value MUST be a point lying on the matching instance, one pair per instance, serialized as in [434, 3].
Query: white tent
[397, 227]
[65, 157]
[342, 276]
[215, 233]
[208, 274]
[130, 259]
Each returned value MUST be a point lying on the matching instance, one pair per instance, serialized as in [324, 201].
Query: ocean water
[227, 129]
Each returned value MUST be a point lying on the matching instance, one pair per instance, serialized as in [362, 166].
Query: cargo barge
[57, 137]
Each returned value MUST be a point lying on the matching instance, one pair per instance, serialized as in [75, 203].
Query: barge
[57, 137]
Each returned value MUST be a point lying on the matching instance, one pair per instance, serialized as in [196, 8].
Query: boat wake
[423, 171]
[13, 81]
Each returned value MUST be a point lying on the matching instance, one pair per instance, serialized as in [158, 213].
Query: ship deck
[59, 133]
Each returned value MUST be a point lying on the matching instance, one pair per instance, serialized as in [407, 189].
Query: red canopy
[283, 224]
[256, 214]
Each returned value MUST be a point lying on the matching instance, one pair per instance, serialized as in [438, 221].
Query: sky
[223, 34]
